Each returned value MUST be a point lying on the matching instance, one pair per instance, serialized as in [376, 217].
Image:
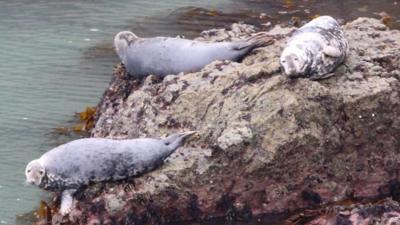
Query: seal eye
[41, 172]
[28, 171]
[283, 61]
[296, 59]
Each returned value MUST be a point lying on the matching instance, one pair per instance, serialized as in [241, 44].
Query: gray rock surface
[266, 144]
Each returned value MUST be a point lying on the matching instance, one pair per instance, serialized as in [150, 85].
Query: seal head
[34, 173]
[294, 61]
[122, 41]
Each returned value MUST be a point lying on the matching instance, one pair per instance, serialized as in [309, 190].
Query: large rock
[266, 144]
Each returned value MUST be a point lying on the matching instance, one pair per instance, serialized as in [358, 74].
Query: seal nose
[30, 182]
[290, 72]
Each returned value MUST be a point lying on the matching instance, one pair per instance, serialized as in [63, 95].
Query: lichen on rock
[266, 144]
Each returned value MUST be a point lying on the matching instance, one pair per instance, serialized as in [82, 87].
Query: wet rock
[266, 144]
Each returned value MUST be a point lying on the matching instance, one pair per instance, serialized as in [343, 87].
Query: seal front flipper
[66, 201]
[332, 51]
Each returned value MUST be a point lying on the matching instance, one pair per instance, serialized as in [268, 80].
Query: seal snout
[290, 71]
[30, 182]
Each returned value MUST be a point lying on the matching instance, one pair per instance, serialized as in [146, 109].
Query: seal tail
[176, 140]
[260, 39]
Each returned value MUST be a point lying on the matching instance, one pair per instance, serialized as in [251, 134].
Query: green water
[50, 66]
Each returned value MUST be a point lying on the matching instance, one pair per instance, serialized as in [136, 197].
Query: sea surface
[56, 58]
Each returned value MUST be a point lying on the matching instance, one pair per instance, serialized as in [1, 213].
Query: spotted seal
[315, 49]
[74, 165]
[162, 56]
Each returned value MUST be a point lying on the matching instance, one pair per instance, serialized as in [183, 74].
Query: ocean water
[56, 58]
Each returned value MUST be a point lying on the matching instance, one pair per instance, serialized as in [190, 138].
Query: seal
[76, 164]
[162, 56]
[315, 49]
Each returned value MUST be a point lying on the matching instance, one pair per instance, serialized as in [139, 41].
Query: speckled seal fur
[71, 166]
[315, 49]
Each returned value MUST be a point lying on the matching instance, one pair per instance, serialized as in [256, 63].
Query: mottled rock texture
[385, 212]
[266, 144]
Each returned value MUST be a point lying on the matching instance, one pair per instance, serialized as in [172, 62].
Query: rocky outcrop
[266, 144]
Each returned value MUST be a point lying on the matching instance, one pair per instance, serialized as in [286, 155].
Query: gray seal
[78, 163]
[162, 56]
[315, 49]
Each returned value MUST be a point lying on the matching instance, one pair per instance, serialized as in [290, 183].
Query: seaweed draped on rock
[267, 144]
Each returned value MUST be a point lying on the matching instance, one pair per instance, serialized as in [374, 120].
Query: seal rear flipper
[332, 51]
[175, 140]
[260, 39]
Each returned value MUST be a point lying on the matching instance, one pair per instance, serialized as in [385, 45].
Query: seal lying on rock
[161, 56]
[71, 166]
[315, 49]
